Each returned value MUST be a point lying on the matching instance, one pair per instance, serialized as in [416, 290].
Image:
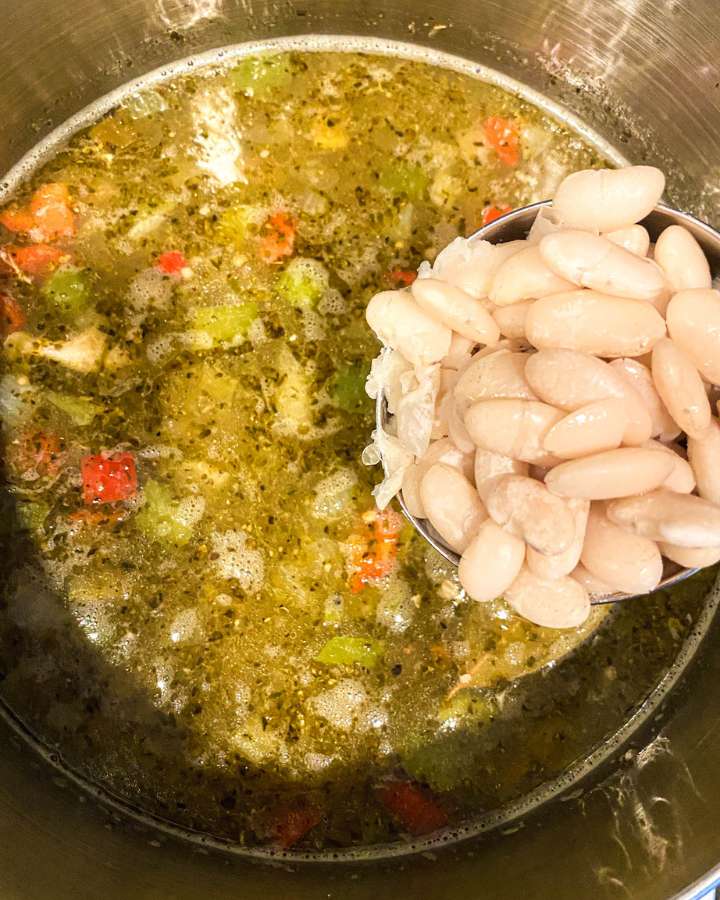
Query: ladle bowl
[515, 225]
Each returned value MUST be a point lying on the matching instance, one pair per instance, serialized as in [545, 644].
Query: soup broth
[203, 613]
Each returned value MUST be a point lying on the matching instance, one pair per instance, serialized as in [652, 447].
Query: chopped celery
[69, 290]
[467, 705]
[345, 651]
[220, 386]
[330, 134]
[225, 324]
[403, 178]
[80, 409]
[303, 282]
[160, 517]
[347, 388]
[31, 515]
[234, 224]
[258, 76]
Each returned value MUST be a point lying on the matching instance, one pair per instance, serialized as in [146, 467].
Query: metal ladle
[516, 225]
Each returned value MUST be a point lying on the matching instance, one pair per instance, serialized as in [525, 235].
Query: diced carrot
[279, 239]
[17, 220]
[376, 551]
[413, 806]
[35, 454]
[171, 262]
[108, 478]
[504, 138]
[12, 318]
[401, 277]
[51, 209]
[490, 213]
[96, 516]
[37, 259]
[49, 212]
[293, 824]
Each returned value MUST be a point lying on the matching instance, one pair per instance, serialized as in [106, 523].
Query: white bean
[400, 323]
[594, 323]
[558, 564]
[524, 277]
[452, 505]
[570, 380]
[456, 427]
[614, 473]
[551, 603]
[662, 515]
[592, 585]
[489, 467]
[693, 319]
[442, 451]
[456, 309]
[680, 387]
[681, 478]
[500, 374]
[682, 260]
[460, 352]
[608, 199]
[470, 264]
[491, 562]
[528, 509]
[623, 561]
[511, 319]
[592, 261]
[514, 428]
[690, 557]
[590, 429]
[704, 456]
[639, 377]
[633, 238]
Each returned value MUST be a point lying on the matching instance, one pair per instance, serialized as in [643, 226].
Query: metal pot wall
[643, 74]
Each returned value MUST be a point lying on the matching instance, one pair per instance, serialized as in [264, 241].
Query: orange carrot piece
[12, 318]
[17, 220]
[490, 213]
[51, 209]
[49, 212]
[413, 806]
[172, 262]
[401, 277]
[293, 824]
[279, 240]
[37, 259]
[504, 138]
[97, 516]
[376, 552]
[35, 454]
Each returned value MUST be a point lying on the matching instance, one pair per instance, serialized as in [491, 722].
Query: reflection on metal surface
[185, 14]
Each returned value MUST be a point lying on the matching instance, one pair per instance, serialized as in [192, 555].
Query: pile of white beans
[538, 391]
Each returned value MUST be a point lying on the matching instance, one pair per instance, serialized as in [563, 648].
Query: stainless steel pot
[641, 72]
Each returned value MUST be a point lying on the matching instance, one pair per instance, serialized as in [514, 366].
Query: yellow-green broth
[181, 647]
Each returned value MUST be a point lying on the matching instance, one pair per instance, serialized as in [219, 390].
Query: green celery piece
[80, 409]
[403, 178]
[31, 515]
[158, 518]
[344, 650]
[225, 324]
[259, 76]
[347, 388]
[233, 225]
[69, 290]
[218, 385]
[303, 282]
